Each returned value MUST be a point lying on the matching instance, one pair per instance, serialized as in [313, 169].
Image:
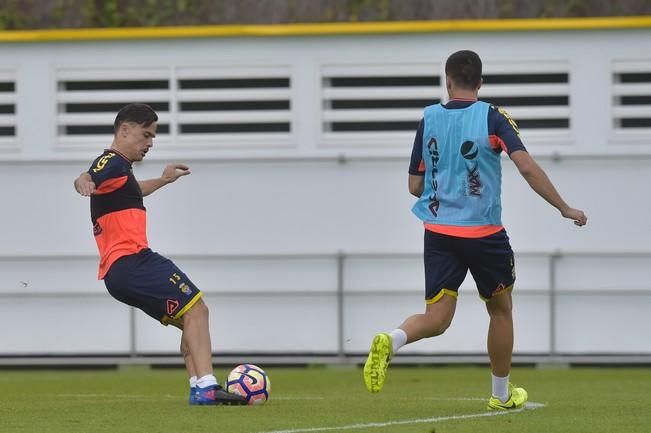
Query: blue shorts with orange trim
[152, 283]
[448, 259]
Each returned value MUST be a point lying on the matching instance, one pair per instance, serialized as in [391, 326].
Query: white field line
[528, 406]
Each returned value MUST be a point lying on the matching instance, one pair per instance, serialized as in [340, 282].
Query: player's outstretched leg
[517, 398]
[196, 341]
[379, 357]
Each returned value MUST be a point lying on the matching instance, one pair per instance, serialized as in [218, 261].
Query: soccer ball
[251, 382]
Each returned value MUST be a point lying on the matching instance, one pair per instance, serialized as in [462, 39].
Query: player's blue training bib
[463, 174]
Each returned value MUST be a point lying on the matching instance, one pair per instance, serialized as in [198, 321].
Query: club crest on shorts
[172, 306]
[501, 287]
[185, 288]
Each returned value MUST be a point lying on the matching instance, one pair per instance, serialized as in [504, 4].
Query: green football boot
[379, 357]
[517, 398]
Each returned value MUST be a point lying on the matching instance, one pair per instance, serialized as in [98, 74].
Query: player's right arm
[84, 185]
[539, 182]
[416, 185]
[416, 181]
[505, 135]
[108, 173]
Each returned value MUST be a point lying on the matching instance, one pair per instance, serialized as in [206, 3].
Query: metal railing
[341, 259]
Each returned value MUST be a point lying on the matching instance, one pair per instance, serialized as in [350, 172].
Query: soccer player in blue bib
[133, 273]
[455, 172]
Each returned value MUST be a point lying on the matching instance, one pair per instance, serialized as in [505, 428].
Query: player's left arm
[170, 174]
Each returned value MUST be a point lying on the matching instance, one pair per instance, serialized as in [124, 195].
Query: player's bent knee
[441, 326]
[440, 313]
[200, 309]
[500, 305]
[177, 323]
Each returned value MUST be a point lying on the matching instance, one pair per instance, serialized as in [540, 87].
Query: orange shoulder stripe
[497, 143]
[111, 185]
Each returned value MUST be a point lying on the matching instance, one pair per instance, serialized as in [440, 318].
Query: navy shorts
[448, 259]
[152, 283]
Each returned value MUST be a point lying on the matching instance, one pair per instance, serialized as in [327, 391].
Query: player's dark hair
[464, 69]
[141, 114]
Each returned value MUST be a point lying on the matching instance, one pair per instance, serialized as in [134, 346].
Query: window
[632, 97]
[7, 108]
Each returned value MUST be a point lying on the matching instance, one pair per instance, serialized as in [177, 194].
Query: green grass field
[315, 399]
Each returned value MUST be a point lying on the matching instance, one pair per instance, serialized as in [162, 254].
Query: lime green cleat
[375, 369]
[518, 397]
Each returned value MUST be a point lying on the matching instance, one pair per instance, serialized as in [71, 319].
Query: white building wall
[259, 223]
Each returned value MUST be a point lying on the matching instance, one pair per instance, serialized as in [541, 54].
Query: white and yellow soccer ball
[251, 382]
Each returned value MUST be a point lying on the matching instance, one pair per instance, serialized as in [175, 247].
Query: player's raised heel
[379, 357]
[517, 398]
[215, 395]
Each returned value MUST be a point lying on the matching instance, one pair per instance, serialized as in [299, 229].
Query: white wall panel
[50, 275]
[611, 274]
[321, 214]
[265, 274]
[259, 223]
[255, 324]
[68, 325]
[604, 324]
